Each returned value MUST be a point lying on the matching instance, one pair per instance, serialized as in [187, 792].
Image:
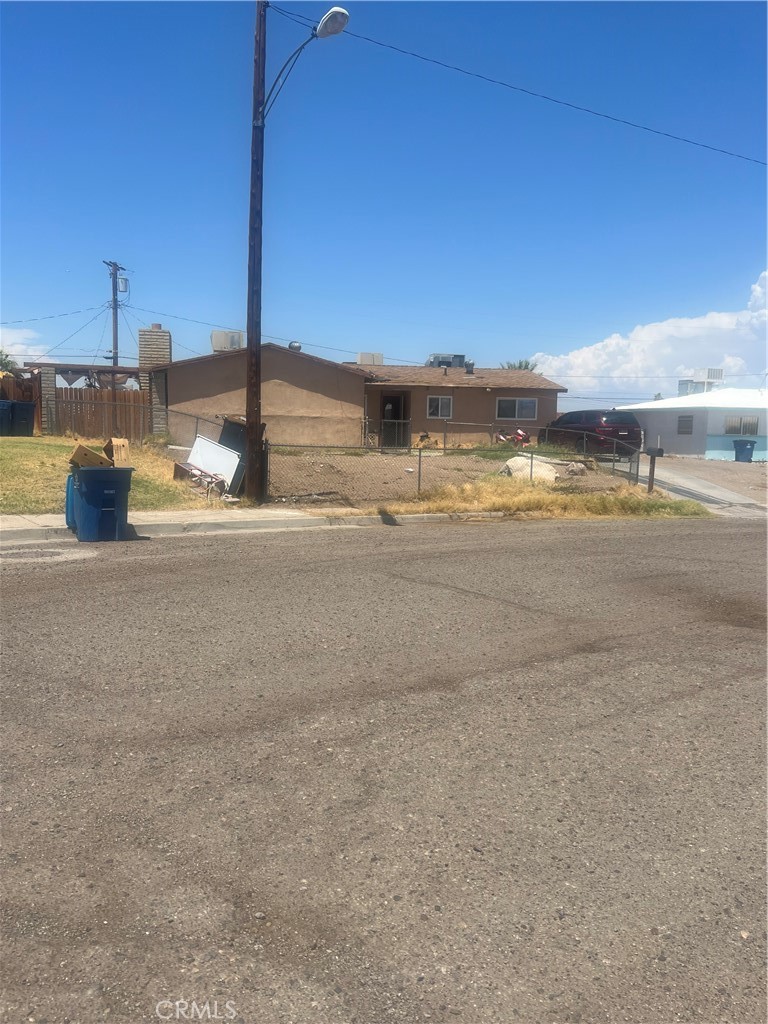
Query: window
[685, 424]
[439, 407]
[741, 425]
[516, 408]
[620, 419]
[749, 425]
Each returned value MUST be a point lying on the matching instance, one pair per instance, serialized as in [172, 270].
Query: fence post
[613, 462]
[418, 478]
[445, 434]
[530, 456]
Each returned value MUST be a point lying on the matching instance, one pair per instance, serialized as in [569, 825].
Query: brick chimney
[155, 350]
[154, 346]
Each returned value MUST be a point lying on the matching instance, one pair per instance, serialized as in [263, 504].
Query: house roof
[265, 345]
[457, 377]
[721, 398]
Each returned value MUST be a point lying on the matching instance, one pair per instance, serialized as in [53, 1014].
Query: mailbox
[655, 453]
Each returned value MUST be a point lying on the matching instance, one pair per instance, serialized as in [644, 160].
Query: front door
[395, 428]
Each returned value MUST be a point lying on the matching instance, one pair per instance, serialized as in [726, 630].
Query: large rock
[520, 468]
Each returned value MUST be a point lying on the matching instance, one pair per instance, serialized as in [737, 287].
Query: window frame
[750, 420]
[516, 399]
[440, 399]
[689, 422]
[742, 422]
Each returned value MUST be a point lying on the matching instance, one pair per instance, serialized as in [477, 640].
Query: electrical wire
[189, 320]
[413, 362]
[268, 106]
[52, 316]
[178, 344]
[285, 75]
[645, 376]
[130, 330]
[101, 312]
[540, 95]
[101, 339]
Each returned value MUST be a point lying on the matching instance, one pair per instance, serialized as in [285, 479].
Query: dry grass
[33, 472]
[545, 501]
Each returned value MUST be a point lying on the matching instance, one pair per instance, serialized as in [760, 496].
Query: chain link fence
[183, 428]
[348, 476]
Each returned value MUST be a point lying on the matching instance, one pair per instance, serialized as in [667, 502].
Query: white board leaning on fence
[213, 459]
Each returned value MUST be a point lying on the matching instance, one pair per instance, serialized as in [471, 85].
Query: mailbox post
[653, 454]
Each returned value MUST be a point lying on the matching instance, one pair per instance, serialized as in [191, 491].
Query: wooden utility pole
[255, 484]
[114, 269]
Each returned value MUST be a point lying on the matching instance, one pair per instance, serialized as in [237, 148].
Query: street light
[331, 24]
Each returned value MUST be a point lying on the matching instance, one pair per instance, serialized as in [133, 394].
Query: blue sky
[408, 209]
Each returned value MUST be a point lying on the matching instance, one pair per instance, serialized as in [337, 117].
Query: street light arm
[293, 57]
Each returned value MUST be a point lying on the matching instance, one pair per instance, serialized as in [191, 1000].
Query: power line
[271, 337]
[646, 376]
[101, 312]
[176, 343]
[541, 95]
[130, 329]
[413, 362]
[189, 320]
[52, 316]
[101, 339]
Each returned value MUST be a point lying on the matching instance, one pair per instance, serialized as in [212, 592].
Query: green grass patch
[34, 470]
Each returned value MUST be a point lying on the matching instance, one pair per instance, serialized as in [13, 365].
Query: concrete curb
[31, 534]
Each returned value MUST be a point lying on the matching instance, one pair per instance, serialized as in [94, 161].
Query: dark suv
[595, 430]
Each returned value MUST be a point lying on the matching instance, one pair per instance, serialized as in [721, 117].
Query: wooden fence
[89, 412]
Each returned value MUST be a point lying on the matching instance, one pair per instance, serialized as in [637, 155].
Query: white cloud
[757, 298]
[16, 342]
[652, 356]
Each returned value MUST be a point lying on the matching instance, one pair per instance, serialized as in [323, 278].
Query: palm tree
[520, 364]
[7, 362]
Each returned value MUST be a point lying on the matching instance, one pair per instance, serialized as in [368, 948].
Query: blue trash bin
[6, 418]
[100, 502]
[743, 450]
[23, 419]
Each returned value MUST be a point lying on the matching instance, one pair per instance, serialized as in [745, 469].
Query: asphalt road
[483, 773]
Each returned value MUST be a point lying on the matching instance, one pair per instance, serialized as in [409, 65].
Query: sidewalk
[23, 529]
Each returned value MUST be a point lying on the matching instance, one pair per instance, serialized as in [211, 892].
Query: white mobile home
[706, 425]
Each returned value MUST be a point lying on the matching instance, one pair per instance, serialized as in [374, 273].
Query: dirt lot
[325, 477]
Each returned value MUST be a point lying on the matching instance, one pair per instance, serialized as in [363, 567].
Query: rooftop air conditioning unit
[225, 341]
[370, 359]
[445, 359]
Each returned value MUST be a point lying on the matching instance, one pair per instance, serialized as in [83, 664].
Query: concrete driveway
[485, 773]
[734, 489]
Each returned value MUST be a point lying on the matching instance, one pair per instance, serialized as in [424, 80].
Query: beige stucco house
[309, 400]
[305, 399]
[455, 405]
